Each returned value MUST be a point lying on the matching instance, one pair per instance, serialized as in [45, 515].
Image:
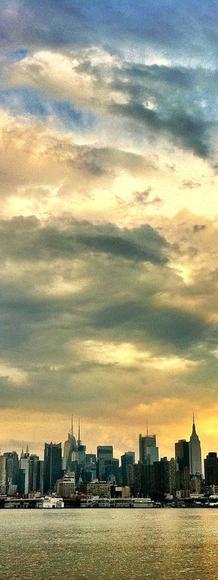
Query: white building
[195, 452]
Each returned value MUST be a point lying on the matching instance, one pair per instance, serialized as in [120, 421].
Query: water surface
[109, 544]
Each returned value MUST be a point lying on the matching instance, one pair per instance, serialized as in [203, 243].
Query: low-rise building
[99, 488]
[66, 486]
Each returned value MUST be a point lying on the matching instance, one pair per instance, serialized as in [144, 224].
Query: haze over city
[108, 234]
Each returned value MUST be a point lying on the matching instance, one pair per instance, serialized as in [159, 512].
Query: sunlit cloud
[127, 355]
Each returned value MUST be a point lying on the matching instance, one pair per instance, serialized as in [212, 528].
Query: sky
[108, 223]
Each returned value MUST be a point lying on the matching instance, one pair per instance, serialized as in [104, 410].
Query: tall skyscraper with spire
[70, 449]
[148, 450]
[195, 452]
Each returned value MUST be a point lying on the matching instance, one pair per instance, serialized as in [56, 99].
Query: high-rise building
[172, 475]
[70, 450]
[90, 467]
[182, 453]
[3, 481]
[183, 463]
[137, 487]
[112, 472]
[40, 484]
[211, 469]
[105, 452]
[12, 471]
[34, 473]
[148, 450]
[104, 457]
[25, 469]
[161, 478]
[52, 465]
[127, 459]
[195, 452]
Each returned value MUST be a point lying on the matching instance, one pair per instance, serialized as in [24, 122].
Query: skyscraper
[148, 450]
[127, 459]
[12, 471]
[90, 467]
[34, 473]
[52, 465]
[3, 481]
[70, 449]
[104, 458]
[183, 463]
[195, 452]
[211, 469]
[182, 454]
[25, 468]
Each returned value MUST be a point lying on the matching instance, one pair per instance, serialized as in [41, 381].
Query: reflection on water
[109, 544]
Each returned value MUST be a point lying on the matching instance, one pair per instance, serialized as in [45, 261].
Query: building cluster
[74, 471]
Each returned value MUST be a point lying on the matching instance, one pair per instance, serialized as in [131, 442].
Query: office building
[182, 454]
[195, 452]
[90, 467]
[148, 450]
[3, 481]
[52, 465]
[99, 489]
[173, 467]
[211, 469]
[104, 456]
[12, 472]
[127, 459]
[25, 469]
[70, 449]
[34, 474]
[183, 471]
[66, 485]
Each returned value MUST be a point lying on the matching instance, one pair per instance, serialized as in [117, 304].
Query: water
[109, 544]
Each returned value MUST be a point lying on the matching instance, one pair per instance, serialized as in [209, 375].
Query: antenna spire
[79, 432]
[193, 424]
[72, 425]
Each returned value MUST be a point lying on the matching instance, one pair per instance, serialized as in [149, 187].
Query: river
[158, 544]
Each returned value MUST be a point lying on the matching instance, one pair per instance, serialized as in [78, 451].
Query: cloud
[17, 376]
[140, 199]
[43, 170]
[126, 355]
[164, 101]
[189, 184]
[68, 240]
[179, 32]
[108, 290]
[163, 324]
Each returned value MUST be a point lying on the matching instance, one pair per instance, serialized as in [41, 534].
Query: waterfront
[102, 544]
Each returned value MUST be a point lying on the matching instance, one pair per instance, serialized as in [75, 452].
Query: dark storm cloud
[172, 101]
[189, 130]
[25, 239]
[119, 301]
[172, 325]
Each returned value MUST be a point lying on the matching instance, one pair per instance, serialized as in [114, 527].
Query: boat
[142, 502]
[52, 502]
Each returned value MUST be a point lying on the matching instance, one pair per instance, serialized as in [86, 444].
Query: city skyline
[108, 219]
[69, 468]
[73, 433]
